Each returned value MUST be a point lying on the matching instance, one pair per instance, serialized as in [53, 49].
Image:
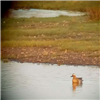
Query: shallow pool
[21, 81]
[27, 13]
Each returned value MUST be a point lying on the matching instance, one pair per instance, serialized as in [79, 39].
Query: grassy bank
[62, 40]
[64, 33]
[91, 7]
[59, 5]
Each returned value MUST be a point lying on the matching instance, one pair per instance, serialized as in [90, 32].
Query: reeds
[93, 13]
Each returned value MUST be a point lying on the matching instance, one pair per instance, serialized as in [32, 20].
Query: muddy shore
[49, 55]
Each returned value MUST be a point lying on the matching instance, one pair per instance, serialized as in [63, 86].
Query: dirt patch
[49, 55]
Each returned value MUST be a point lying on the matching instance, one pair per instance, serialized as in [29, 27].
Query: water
[24, 81]
[27, 13]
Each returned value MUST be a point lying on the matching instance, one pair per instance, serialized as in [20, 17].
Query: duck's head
[73, 75]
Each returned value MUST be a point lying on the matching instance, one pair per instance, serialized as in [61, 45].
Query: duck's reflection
[75, 85]
[76, 82]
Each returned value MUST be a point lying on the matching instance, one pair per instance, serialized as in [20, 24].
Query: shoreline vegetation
[58, 40]
[56, 5]
[91, 7]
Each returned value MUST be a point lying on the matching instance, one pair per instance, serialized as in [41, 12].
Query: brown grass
[93, 13]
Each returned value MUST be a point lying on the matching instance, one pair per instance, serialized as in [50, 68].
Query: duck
[76, 79]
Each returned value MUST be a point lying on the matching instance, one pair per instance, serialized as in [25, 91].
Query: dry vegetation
[93, 13]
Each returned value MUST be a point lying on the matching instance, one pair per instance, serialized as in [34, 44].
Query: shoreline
[49, 55]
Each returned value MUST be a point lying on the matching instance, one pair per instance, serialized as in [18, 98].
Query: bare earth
[49, 55]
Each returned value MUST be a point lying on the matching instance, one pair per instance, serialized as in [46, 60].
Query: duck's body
[76, 80]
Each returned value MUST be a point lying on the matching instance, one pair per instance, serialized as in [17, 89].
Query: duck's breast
[75, 80]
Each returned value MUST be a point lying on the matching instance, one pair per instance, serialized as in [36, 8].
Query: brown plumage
[76, 79]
